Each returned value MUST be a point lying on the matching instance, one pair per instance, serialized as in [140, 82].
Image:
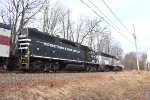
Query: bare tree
[52, 18]
[90, 30]
[104, 42]
[66, 25]
[79, 29]
[57, 20]
[116, 49]
[129, 61]
[87, 29]
[142, 61]
[18, 13]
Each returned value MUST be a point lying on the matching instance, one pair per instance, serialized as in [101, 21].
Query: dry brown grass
[84, 86]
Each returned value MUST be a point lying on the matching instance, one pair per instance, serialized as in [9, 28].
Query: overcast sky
[128, 11]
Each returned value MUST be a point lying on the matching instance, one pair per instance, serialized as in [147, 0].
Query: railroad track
[32, 72]
[4, 71]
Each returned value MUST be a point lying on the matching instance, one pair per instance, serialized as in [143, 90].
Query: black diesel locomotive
[38, 51]
[41, 51]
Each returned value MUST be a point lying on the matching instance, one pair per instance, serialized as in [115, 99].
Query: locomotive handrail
[24, 44]
[22, 36]
[23, 48]
[24, 40]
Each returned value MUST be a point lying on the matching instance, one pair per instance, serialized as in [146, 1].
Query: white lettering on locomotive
[59, 47]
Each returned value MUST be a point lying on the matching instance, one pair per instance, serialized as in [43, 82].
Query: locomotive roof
[69, 42]
[55, 37]
[39, 32]
[106, 55]
[2, 25]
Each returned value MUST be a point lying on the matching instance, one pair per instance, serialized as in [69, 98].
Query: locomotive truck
[39, 51]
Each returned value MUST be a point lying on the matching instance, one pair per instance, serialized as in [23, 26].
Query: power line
[116, 17]
[105, 21]
[109, 20]
[104, 15]
[119, 20]
[138, 44]
[140, 47]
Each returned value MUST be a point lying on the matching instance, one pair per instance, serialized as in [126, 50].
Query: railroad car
[5, 40]
[108, 62]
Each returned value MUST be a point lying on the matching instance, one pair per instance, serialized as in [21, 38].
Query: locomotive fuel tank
[75, 67]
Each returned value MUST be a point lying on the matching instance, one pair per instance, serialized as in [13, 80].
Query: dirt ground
[75, 86]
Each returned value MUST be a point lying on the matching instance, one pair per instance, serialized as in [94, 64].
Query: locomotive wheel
[94, 69]
[91, 68]
[87, 68]
[99, 69]
[47, 67]
[55, 67]
[32, 66]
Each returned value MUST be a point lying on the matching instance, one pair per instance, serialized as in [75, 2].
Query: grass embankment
[92, 86]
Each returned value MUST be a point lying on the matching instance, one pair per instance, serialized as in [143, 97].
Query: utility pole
[137, 58]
